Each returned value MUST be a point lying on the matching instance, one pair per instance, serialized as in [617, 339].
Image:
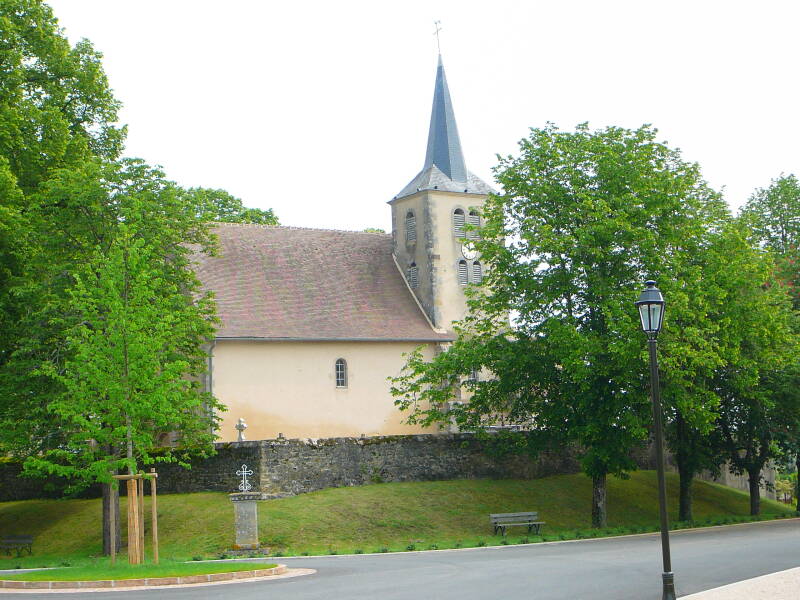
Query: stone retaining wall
[285, 467]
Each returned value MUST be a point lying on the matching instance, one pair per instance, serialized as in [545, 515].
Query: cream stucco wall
[290, 388]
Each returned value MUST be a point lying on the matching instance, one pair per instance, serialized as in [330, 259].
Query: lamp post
[651, 312]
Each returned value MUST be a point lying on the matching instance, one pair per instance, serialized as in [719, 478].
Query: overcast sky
[320, 110]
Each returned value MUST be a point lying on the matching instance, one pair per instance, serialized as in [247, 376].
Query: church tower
[429, 214]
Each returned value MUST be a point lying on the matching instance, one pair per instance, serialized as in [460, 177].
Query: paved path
[626, 568]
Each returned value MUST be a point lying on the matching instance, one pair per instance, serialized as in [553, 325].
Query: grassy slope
[391, 515]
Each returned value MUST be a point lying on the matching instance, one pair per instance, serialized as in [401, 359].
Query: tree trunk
[686, 478]
[599, 513]
[754, 476]
[797, 487]
[110, 495]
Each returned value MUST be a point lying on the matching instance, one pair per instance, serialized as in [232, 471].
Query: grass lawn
[103, 570]
[372, 518]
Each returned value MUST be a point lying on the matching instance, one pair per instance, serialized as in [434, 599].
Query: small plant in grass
[505, 542]
[480, 544]
[411, 548]
[359, 551]
[304, 553]
[63, 564]
[223, 556]
[433, 547]
[195, 558]
[18, 567]
[383, 550]
[276, 555]
[332, 552]
[524, 540]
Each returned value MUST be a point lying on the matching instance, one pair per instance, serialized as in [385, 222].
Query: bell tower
[429, 214]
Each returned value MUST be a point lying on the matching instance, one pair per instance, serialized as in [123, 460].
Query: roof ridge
[296, 228]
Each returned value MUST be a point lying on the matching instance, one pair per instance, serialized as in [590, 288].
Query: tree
[220, 206]
[585, 218]
[773, 214]
[56, 112]
[56, 107]
[135, 361]
[76, 217]
[759, 343]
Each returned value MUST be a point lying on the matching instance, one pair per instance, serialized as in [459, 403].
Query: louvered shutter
[462, 272]
[411, 227]
[458, 222]
[475, 221]
[413, 277]
[477, 272]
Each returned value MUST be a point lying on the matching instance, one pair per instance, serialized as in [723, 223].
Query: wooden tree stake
[133, 523]
[154, 508]
[140, 481]
[112, 516]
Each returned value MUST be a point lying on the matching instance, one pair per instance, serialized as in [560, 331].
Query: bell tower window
[463, 278]
[413, 275]
[458, 223]
[477, 272]
[475, 221]
[411, 227]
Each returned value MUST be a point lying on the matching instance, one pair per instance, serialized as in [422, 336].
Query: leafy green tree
[75, 217]
[220, 206]
[374, 230]
[586, 216]
[134, 363]
[773, 213]
[56, 107]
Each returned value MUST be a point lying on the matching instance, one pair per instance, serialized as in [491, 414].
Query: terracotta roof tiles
[310, 284]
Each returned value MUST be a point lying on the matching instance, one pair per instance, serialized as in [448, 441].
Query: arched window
[474, 220]
[462, 272]
[458, 223]
[413, 275]
[341, 373]
[411, 227]
[477, 272]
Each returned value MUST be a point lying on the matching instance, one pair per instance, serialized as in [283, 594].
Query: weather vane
[438, 26]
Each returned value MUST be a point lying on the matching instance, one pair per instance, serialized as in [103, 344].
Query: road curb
[278, 572]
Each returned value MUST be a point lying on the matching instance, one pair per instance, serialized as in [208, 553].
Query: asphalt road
[626, 568]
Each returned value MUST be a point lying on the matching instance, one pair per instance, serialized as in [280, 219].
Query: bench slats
[502, 520]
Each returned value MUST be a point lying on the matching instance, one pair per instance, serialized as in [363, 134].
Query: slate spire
[444, 147]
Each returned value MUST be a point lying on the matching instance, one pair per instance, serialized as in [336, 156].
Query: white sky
[320, 110]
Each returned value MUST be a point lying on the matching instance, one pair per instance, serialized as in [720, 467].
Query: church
[314, 322]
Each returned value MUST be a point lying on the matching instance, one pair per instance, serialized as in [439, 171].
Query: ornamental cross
[437, 25]
[245, 485]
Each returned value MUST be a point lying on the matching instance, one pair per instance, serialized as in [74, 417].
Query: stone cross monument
[245, 512]
[240, 427]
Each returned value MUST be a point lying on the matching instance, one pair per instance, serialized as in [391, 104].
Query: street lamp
[651, 312]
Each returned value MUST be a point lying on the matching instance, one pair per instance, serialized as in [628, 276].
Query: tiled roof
[310, 284]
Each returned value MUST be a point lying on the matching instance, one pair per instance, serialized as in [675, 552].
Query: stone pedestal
[245, 512]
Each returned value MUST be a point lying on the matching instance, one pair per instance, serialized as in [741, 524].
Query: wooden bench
[18, 543]
[502, 520]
